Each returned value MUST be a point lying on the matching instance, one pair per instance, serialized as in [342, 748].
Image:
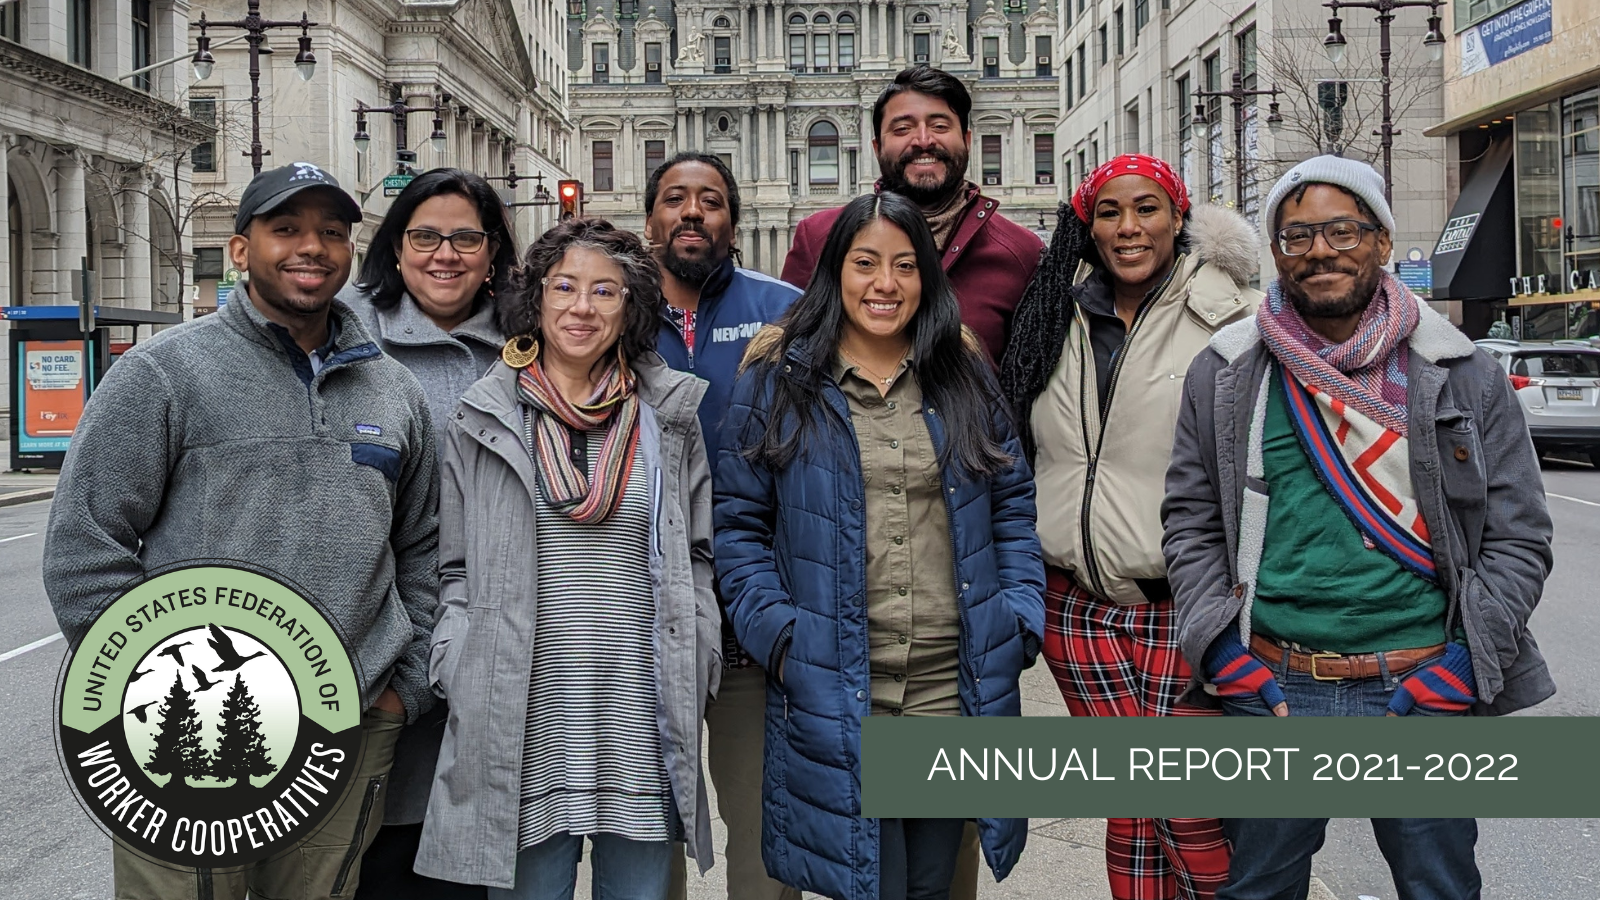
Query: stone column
[5, 231]
[745, 165]
[869, 159]
[137, 290]
[72, 243]
[1019, 151]
[761, 32]
[782, 144]
[629, 180]
[681, 122]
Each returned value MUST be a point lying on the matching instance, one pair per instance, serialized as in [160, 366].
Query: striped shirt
[591, 759]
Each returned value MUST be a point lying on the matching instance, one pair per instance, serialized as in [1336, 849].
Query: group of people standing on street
[572, 504]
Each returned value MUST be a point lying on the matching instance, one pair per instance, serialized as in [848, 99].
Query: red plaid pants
[1112, 660]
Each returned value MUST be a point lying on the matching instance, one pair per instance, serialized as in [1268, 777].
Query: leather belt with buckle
[1340, 666]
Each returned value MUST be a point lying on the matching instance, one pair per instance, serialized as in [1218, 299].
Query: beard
[1339, 307]
[925, 192]
[692, 271]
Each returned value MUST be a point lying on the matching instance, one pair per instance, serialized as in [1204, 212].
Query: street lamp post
[541, 194]
[1237, 95]
[1335, 42]
[255, 29]
[399, 109]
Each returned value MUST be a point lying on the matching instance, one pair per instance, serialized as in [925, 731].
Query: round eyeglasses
[562, 293]
[1341, 235]
[426, 240]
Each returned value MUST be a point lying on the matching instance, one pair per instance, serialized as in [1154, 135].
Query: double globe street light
[255, 32]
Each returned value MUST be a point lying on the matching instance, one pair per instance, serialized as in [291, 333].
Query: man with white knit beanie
[1392, 534]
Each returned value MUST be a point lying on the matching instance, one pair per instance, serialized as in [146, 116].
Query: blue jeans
[621, 869]
[1429, 859]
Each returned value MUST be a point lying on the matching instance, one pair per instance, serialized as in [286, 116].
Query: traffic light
[571, 194]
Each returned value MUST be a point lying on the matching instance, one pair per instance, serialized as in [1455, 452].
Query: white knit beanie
[1353, 175]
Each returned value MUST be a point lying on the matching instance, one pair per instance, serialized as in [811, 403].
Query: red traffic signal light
[570, 194]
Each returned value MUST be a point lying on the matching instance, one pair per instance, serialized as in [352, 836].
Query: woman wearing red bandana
[1133, 286]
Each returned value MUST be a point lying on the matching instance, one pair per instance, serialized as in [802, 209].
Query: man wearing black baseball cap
[201, 444]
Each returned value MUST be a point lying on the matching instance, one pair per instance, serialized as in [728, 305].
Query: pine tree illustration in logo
[178, 751]
[241, 748]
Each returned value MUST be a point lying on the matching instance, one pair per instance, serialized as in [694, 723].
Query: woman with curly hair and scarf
[578, 638]
[1133, 286]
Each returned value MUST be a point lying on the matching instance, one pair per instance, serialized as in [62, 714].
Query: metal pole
[1385, 16]
[1238, 140]
[252, 22]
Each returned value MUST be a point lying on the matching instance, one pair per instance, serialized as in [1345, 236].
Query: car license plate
[1569, 393]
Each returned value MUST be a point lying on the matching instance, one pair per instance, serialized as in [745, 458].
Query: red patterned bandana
[1130, 164]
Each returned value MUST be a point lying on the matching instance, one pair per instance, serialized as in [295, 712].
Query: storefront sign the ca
[1580, 287]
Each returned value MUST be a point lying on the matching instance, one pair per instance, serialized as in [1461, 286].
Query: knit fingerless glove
[1447, 686]
[1237, 673]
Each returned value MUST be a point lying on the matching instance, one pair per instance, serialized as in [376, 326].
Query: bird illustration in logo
[176, 652]
[138, 712]
[226, 652]
[138, 674]
[200, 681]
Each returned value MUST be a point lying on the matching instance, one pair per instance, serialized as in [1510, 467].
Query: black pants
[386, 871]
[1429, 859]
[917, 858]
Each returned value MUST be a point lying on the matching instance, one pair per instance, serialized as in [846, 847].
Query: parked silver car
[1558, 383]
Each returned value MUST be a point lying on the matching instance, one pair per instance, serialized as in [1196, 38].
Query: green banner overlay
[1229, 767]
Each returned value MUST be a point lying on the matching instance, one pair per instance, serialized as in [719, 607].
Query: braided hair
[1039, 326]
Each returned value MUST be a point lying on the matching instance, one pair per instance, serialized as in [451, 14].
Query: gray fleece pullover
[214, 440]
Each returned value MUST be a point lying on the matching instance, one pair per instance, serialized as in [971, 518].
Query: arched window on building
[823, 157]
[797, 42]
[847, 41]
[721, 22]
[821, 44]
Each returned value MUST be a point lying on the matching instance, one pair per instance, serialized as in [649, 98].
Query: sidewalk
[23, 487]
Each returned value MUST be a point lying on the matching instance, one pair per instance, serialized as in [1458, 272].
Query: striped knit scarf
[549, 424]
[1368, 371]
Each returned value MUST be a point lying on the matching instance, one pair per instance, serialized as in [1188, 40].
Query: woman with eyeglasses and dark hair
[428, 286]
[876, 546]
[1135, 282]
[578, 638]
[426, 293]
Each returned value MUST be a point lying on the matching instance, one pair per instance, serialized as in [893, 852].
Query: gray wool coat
[446, 364]
[1474, 470]
[482, 654]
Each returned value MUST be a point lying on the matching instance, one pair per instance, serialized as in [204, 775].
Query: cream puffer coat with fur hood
[1100, 487]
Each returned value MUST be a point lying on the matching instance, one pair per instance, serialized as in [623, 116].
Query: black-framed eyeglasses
[1341, 235]
[426, 240]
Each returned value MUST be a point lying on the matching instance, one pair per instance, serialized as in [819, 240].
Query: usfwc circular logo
[210, 718]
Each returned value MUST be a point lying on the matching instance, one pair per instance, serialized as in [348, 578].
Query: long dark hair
[380, 271]
[518, 314]
[1044, 315]
[952, 373]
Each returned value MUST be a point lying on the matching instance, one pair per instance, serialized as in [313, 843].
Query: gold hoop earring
[489, 277]
[520, 352]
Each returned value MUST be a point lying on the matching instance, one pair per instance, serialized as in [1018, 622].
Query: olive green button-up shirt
[913, 622]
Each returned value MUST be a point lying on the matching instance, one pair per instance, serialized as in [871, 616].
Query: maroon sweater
[990, 260]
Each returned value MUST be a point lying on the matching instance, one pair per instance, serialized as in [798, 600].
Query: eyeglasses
[561, 293]
[426, 240]
[1341, 235]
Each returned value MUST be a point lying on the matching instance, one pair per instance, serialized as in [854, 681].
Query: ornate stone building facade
[87, 158]
[783, 92]
[499, 61]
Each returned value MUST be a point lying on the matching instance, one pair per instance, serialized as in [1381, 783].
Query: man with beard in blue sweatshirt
[714, 308]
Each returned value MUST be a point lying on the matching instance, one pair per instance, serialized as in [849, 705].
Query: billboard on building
[1513, 32]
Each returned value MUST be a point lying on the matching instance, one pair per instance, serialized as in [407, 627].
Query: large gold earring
[520, 352]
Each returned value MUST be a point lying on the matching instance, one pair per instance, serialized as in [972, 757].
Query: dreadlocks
[1039, 326]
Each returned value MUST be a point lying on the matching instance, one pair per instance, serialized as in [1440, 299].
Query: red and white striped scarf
[614, 406]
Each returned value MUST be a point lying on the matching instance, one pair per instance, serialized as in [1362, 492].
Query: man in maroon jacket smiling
[922, 142]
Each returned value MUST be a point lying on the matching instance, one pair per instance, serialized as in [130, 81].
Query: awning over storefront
[1476, 255]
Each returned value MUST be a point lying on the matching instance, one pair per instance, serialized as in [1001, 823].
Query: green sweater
[1319, 584]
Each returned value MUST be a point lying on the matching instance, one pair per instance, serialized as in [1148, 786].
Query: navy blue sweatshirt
[734, 304]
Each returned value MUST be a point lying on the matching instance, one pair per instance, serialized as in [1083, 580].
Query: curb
[21, 497]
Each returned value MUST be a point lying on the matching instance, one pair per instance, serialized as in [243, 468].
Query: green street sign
[394, 184]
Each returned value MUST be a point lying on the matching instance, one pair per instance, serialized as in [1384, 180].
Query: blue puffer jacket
[734, 304]
[790, 551]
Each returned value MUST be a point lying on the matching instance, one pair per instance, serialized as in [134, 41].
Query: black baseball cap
[270, 189]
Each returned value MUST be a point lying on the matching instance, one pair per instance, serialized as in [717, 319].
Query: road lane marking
[18, 537]
[1573, 499]
[33, 646]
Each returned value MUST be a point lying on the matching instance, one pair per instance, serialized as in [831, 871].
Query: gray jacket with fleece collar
[215, 441]
[1473, 467]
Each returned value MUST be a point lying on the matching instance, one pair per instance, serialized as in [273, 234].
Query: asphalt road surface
[50, 849]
